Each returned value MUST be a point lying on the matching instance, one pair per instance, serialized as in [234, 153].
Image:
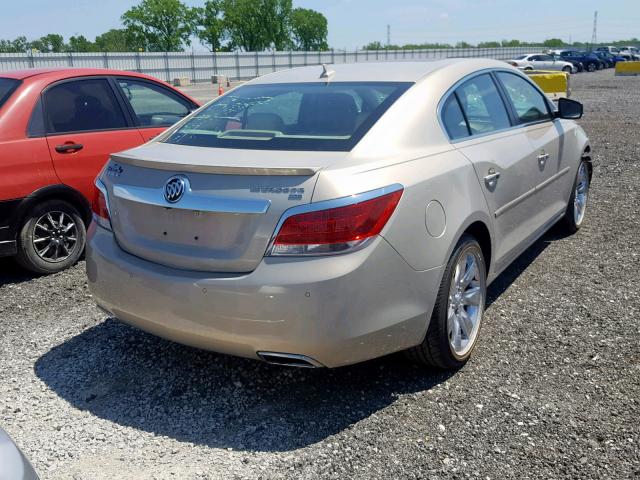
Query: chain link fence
[201, 66]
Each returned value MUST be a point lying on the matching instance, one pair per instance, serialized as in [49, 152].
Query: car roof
[60, 73]
[392, 71]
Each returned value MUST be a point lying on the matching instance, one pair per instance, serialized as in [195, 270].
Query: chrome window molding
[326, 205]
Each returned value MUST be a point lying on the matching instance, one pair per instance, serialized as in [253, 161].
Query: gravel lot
[553, 390]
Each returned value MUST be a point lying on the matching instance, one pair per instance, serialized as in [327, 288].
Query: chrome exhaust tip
[289, 360]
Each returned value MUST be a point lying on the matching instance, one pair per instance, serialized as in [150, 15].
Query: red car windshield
[7, 87]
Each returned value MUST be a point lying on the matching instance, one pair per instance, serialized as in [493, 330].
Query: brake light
[335, 230]
[99, 206]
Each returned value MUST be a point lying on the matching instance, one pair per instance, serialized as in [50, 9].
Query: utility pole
[595, 26]
[388, 35]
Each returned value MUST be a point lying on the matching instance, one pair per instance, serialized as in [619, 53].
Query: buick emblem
[174, 189]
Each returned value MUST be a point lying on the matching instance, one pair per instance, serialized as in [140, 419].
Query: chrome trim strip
[327, 204]
[218, 169]
[192, 201]
[527, 194]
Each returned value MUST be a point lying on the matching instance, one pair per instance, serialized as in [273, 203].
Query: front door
[85, 123]
[501, 157]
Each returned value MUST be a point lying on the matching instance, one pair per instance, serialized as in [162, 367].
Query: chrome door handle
[491, 180]
[543, 157]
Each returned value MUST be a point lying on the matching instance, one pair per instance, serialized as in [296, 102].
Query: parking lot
[553, 389]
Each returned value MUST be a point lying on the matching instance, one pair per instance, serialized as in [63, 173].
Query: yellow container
[628, 68]
[554, 84]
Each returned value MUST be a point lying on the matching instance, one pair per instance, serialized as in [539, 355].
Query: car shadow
[12, 273]
[134, 379]
[520, 264]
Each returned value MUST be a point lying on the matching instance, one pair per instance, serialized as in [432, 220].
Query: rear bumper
[336, 310]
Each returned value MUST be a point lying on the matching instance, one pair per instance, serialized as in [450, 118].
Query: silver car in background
[326, 216]
[542, 61]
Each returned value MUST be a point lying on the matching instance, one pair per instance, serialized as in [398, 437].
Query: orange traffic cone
[220, 90]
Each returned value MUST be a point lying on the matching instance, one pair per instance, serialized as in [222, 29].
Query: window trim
[451, 90]
[125, 113]
[114, 80]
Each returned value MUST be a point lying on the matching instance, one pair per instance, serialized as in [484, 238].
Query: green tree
[115, 40]
[19, 45]
[309, 29]
[81, 44]
[463, 45]
[510, 43]
[488, 44]
[49, 43]
[373, 46]
[211, 28]
[553, 43]
[165, 25]
[255, 25]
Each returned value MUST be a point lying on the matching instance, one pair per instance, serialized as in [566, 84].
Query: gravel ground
[552, 391]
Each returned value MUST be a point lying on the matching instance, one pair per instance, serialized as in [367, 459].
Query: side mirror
[569, 109]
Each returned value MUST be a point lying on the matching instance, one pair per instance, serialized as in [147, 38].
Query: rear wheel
[574, 215]
[567, 69]
[52, 237]
[591, 67]
[457, 314]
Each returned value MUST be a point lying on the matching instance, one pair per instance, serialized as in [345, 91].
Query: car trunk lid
[224, 221]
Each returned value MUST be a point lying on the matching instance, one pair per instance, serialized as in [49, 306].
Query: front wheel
[52, 237]
[567, 69]
[574, 215]
[591, 67]
[457, 313]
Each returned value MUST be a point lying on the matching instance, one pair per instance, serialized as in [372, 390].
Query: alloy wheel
[580, 195]
[55, 236]
[466, 303]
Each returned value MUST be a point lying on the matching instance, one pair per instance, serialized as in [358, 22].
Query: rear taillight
[99, 205]
[338, 229]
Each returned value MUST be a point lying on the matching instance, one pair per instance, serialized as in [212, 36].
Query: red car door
[153, 106]
[85, 123]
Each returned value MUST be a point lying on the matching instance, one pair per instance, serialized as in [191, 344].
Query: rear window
[7, 87]
[295, 116]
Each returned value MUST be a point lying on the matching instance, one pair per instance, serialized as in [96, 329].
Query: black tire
[571, 222]
[567, 69]
[591, 67]
[59, 240]
[436, 349]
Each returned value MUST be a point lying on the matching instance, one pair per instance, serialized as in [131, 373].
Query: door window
[82, 105]
[482, 105]
[153, 105]
[529, 103]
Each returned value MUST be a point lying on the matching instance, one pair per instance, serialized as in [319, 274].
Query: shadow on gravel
[520, 264]
[134, 379]
[11, 272]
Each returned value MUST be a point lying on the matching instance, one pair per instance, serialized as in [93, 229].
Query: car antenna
[326, 73]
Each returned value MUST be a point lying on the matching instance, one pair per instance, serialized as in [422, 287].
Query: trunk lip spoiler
[215, 169]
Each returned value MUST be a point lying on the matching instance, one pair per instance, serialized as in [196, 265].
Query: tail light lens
[335, 230]
[100, 207]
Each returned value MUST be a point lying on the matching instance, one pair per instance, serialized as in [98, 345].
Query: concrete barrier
[627, 68]
[181, 82]
[554, 84]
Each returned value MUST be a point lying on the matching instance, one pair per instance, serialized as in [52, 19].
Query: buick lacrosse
[323, 216]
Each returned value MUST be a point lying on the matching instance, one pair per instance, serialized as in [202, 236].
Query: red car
[57, 129]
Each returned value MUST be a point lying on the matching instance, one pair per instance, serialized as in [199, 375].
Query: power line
[388, 34]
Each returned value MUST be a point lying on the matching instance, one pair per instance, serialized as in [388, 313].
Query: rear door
[153, 106]
[85, 123]
[501, 157]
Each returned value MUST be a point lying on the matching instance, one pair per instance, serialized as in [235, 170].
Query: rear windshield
[294, 116]
[521, 57]
[7, 87]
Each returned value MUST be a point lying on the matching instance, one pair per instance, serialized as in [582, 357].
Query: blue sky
[353, 23]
